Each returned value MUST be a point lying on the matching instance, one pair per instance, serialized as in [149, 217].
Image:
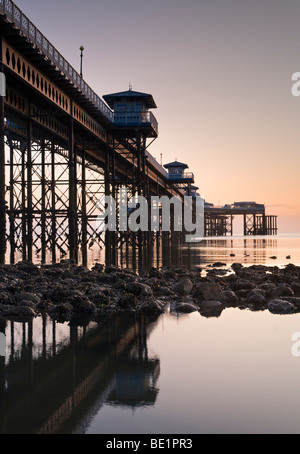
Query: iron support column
[29, 191]
[72, 194]
[11, 205]
[53, 218]
[107, 194]
[84, 217]
[43, 202]
[2, 173]
[24, 221]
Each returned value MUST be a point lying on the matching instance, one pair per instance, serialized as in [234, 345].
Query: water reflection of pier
[56, 377]
[175, 253]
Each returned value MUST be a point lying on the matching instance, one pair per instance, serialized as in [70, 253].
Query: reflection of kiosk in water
[136, 374]
[135, 384]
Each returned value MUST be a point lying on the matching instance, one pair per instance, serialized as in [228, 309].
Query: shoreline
[70, 293]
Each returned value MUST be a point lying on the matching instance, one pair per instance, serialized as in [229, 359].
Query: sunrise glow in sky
[220, 72]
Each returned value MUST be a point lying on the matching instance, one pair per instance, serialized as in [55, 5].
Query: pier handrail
[33, 34]
[140, 118]
[183, 176]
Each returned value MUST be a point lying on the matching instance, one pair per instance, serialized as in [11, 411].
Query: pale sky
[220, 73]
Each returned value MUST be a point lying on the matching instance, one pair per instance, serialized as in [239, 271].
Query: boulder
[282, 290]
[256, 299]
[152, 306]
[183, 287]
[295, 286]
[242, 284]
[236, 266]
[127, 301]
[60, 312]
[85, 307]
[17, 311]
[267, 287]
[209, 291]
[27, 267]
[280, 306]
[256, 296]
[154, 272]
[295, 300]
[138, 288]
[24, 299]
[230, 297]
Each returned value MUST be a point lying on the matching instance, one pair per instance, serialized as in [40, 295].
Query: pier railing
[183, 176]
[135, 119]
[35, 37]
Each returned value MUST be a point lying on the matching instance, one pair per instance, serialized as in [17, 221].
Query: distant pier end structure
[219, 219]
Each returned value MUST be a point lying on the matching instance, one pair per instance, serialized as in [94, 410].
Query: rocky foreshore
[67, 292]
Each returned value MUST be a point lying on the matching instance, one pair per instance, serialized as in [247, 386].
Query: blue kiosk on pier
[177, 174]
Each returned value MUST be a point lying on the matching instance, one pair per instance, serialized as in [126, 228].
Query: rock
[154, 272]
[5, 299]
[280, 306]
[241, 284]
[44, 306]
[256, 296]
[236, 266]
[295, 300]
[230, 297]
[99, 298]
[256, 299]
[85, 307]
[21, 299]
[273, 257]
[256, 291]
[138, 288]
[18, 311]
[111, 269]
[209, 291]
[218, 264]
[168, 274]
[119, 284]
[127, 301]
[162, 290]
[288, 257]
[267, 286]
[152, 306]
[98, 267]
[186, 307]
[60, 311]
[281, 290]
[28, 267]
[67, 274]
[295, 286]
[183, 287]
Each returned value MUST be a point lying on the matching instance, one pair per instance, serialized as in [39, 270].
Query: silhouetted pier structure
[63, 149]
[219, 220]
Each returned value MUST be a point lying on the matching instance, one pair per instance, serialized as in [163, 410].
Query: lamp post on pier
[81, 58]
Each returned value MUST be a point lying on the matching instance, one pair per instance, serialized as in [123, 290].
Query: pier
[63, 149]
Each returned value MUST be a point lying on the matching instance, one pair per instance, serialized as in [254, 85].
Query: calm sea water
[170, 374]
